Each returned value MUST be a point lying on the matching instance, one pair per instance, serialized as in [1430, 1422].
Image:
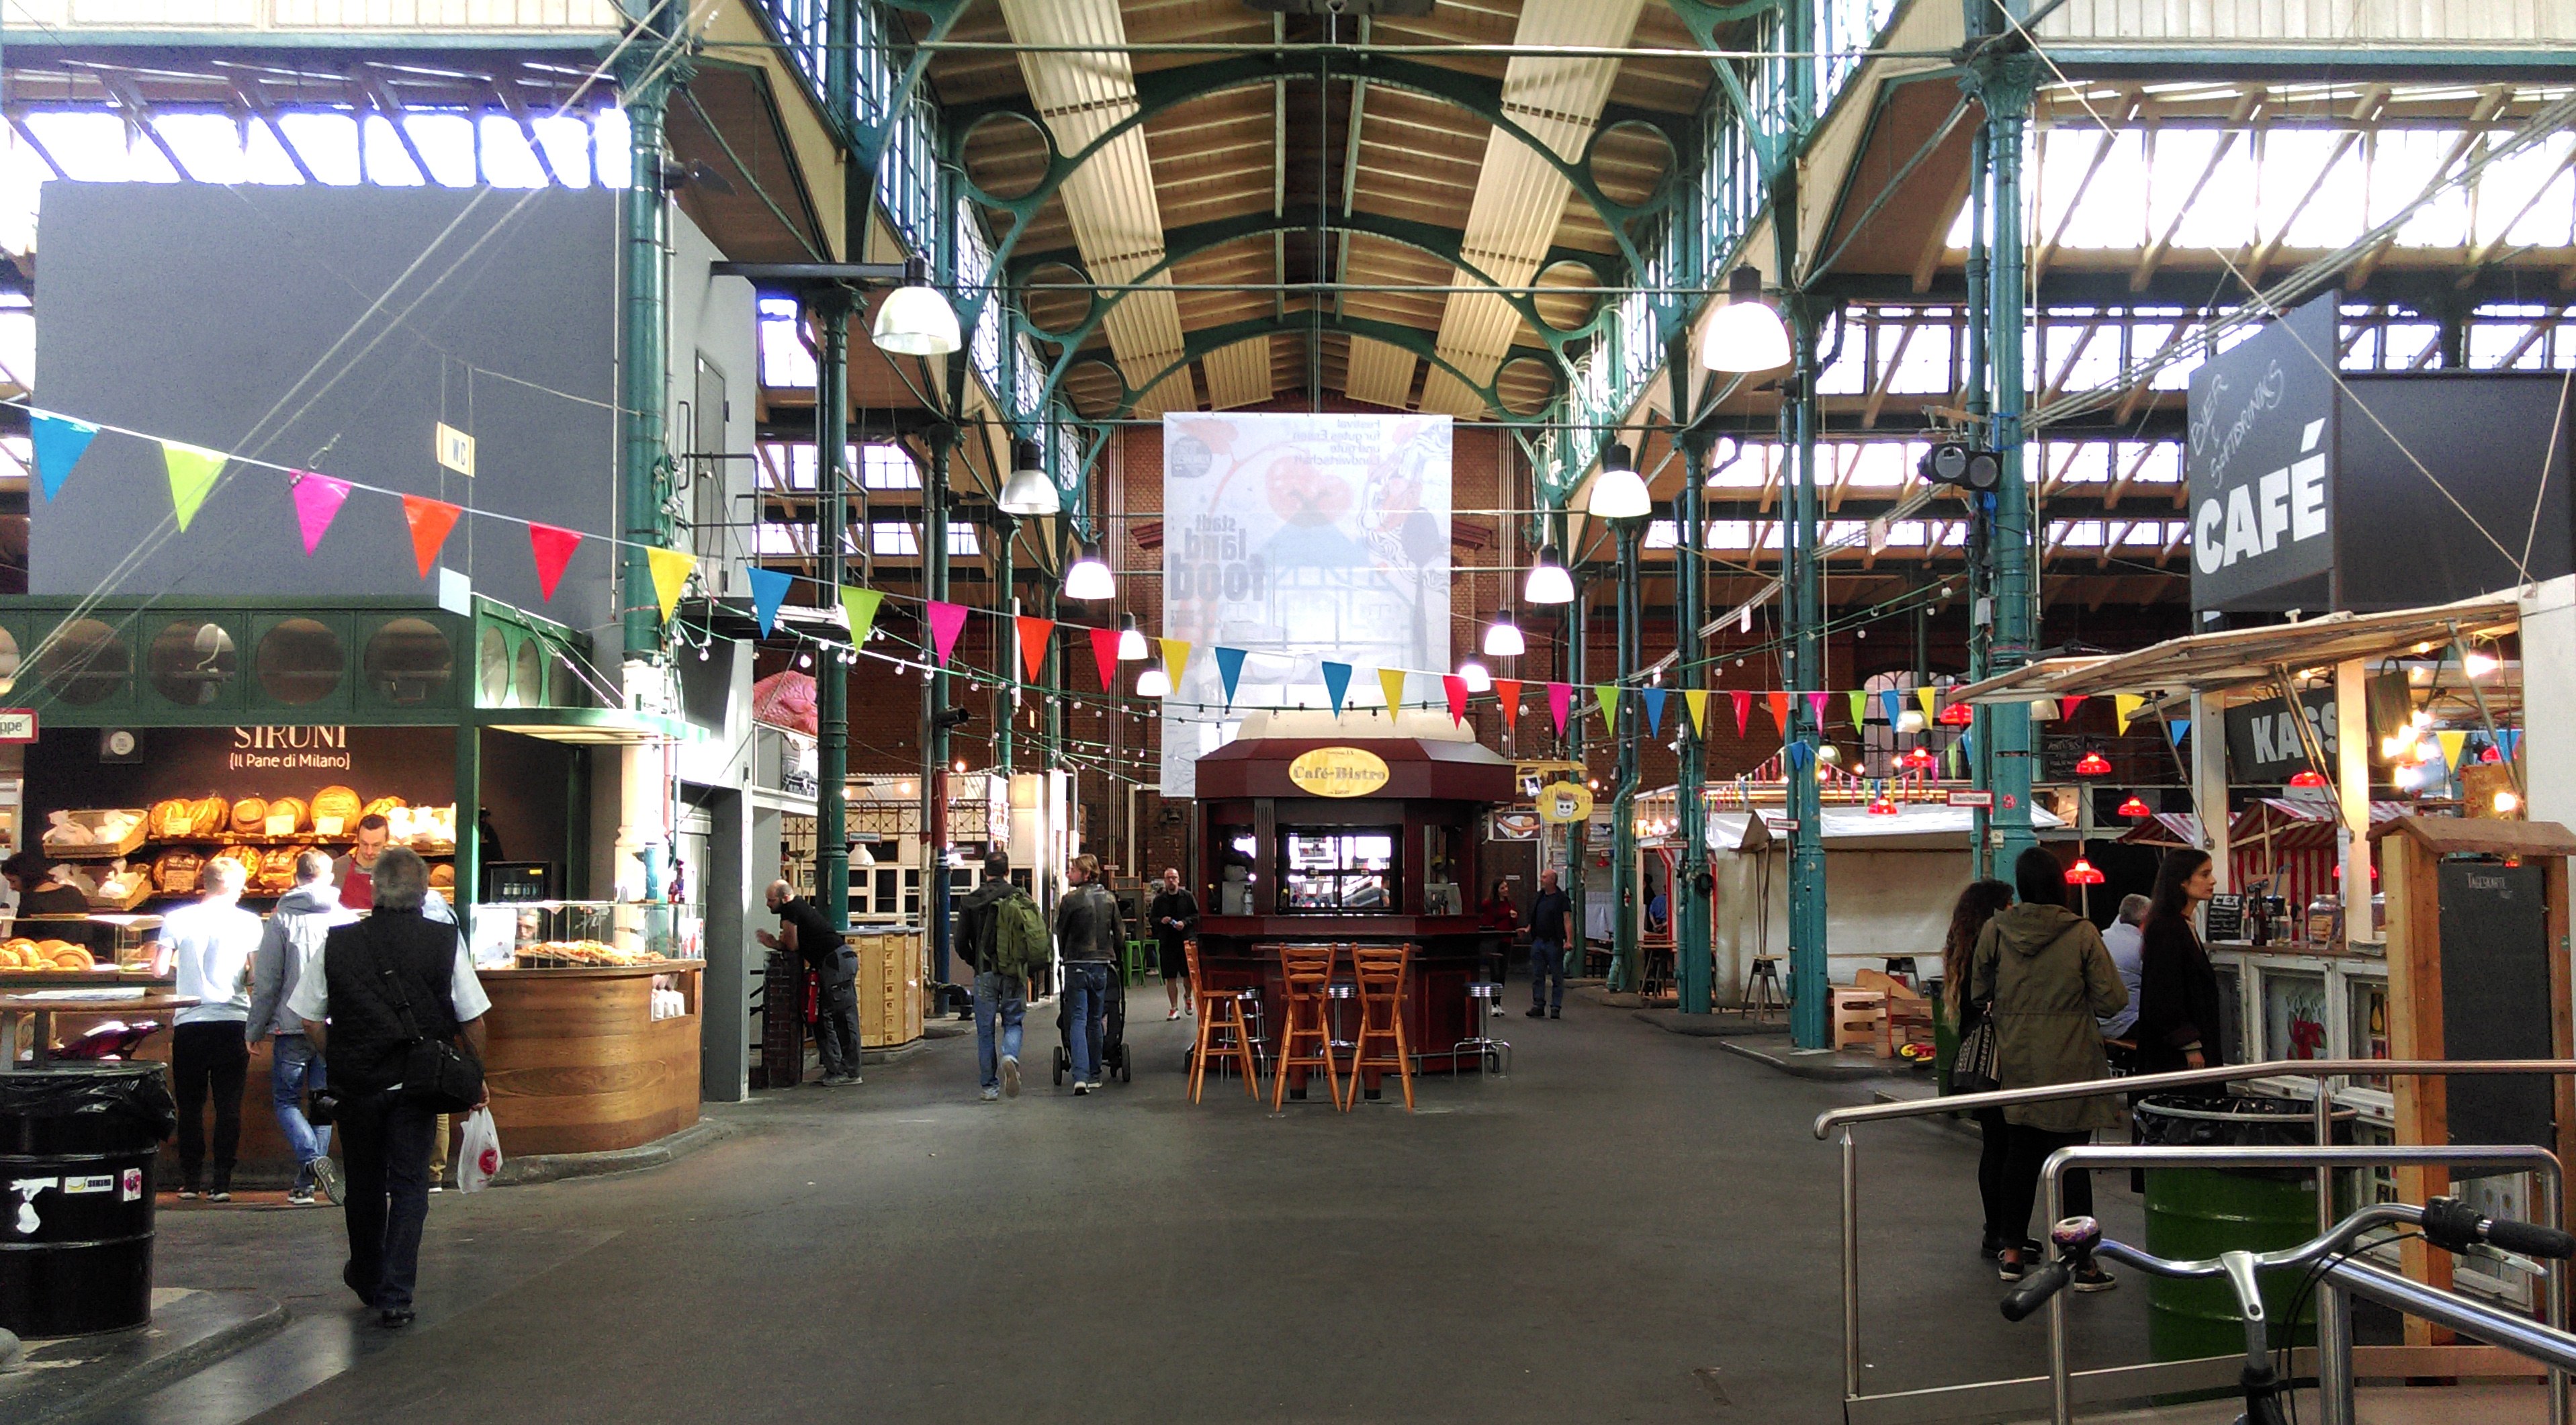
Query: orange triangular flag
[430, 520]
[1508, 690]
[1779, 703]
[1035, 634]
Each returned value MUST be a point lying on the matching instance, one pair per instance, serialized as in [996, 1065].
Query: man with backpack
[1002, 935]
[1089, 932]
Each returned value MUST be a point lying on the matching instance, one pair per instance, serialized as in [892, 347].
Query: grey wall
[191, 311]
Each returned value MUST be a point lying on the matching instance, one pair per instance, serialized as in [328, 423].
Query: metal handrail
[2319, 1070]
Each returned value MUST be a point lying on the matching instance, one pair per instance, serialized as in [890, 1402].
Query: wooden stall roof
[2444, 835]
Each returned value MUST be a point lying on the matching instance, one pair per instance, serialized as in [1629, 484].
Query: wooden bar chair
[1220, 1014]
[1307, 972]
[1385, 975]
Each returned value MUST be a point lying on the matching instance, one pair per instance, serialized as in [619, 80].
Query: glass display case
[1338, 868]
[2294, 1014]
[540, 935]
[36, 944]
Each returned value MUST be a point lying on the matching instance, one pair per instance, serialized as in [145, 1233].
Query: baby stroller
[1113, 1032]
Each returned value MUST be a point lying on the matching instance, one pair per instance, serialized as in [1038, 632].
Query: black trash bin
[77, 1145]
[2195, 1213]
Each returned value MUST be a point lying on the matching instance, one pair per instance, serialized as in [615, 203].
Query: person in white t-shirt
[210, 946]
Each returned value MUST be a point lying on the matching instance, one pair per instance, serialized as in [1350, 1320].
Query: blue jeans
[1008, 996]
[296, 1068]
[1547, 962]
[1086, 1007]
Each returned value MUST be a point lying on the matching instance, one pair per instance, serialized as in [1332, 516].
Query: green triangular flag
[1860, 709]
[193, 470]
[1607, 694]
[861, 606]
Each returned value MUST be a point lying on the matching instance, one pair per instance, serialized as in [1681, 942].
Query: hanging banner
[1300, 537]
[2261, 445]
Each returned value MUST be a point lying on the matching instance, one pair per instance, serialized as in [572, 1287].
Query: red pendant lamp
[2083, 874]
[2093, 764]
[2136, 808]
[2307, 777]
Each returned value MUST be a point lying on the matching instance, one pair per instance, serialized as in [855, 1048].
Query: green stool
[1140, 956]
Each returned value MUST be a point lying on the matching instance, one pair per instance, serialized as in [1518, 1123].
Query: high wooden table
[36, 1011]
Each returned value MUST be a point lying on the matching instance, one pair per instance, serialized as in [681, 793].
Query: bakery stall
[173, 735]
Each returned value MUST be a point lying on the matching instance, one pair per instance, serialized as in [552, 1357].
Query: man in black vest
[353, 1011]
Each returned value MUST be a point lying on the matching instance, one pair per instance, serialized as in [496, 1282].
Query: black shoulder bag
[435, 1073]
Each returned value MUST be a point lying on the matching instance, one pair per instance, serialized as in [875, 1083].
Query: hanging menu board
[2495, 999]
[2224, 920]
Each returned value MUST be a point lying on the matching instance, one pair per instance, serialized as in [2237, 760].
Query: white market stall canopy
[1914, 826]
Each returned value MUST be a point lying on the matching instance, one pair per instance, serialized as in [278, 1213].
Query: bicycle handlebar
[2036, 1288]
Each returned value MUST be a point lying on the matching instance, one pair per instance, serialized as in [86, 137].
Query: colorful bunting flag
[1930, 698]
[59, 441]
[1176, 659]
[1455, 689]
[1894, 701]
[946, 621]
[768, 592]
[1743, 711]
[1560, 702]
[1036, 636]
[430, 520]
[1607, 695]
[1816, 710]
[2177, 728]
[2453, 744]
[1337, 682]
[2067, 705]
[1507, 691]
[1860, 710]
[193, 471]
[317, 501]
[671, 570]
[1799, 754]
[1391, 682]
[1229, 671]
[1654, 710]
[2508, 741]
[1779, 705]
[2127, 706]
[859, 606]
[553, 549]
[1696, 699]
[1104, 655]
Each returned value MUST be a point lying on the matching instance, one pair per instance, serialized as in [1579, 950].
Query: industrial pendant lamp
[1029, 492]
[1088, 579]
[1154, 683]
[1548, 583]
[1619, 492]
[1475, 676]
[915, 318]
[1131, 642]
[1745, 335]
[1503, 637]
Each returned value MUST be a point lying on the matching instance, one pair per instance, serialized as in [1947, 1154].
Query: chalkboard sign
[2225, 919]
[2495, 999]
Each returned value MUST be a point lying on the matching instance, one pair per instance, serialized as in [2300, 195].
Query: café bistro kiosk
[1345, 830]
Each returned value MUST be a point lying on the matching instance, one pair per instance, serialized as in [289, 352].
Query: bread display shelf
[297, 840]
[132, 836]
[138, 889]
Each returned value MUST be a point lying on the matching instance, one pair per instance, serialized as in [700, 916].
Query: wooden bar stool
[1220, 1013]
[1762, 993]
[1307, 973]
[1384, 973]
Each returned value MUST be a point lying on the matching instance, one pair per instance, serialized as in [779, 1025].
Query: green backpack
[1020, 943]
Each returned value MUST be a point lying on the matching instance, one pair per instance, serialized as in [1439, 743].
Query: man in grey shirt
[2127, 952]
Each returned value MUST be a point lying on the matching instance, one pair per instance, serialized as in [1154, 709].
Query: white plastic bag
[478, 1152]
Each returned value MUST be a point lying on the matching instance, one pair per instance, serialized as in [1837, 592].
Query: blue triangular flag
[2508, 741]
[1895, 701]
[1654, 710]
[1799, 753]
[2177, 728]
[1968, 745]
[1337, 681]
[59, 441]
[1229, 666]
[768, 591]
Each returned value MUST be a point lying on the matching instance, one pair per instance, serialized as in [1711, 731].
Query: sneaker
[1556, 1014]
[1080, 1088]
[189, 1194]
[1175, 1014]
[1010, 1076]
[1991, 1248]
[326, 1179]
[220, 1195]
[1537, 1013]
[991, 1095]
[841, 1081]
[299, 1197]
[2093, 1278]
[2009, 1269]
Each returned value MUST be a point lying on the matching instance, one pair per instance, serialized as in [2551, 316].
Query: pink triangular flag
[1508, 691]
[317, 501]
[1743, 710]
[946, 620]
[1456, 688]
[1560, 700]
[1104, 651]
[552, 548]
[1816, 708]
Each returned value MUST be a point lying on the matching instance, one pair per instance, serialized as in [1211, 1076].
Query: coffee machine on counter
[2267, 916]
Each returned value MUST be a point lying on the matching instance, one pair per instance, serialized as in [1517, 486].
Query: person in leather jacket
[1088, 936]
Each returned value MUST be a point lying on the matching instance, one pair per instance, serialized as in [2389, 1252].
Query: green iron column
[643, 467]
[2005, 82]
[1803, 600]
[1689, 901]
[1623, 808]
[1578, 632]
[831, 675]
[934, 702]
[1006, 650]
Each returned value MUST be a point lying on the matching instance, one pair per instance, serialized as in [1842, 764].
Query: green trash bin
[2196, 1213]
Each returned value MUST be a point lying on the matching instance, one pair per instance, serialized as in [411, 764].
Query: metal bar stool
[1488, 1049]
[1220, 1013]
[1307, 973]
[1385, 975]
[1762, 994]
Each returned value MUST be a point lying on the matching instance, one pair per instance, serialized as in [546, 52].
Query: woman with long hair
[2178, 999]
[1977, 905]
[2048, 979]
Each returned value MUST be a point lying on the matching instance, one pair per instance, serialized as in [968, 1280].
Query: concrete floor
[1634, 1226]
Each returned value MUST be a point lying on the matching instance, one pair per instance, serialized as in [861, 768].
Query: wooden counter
[577, 1064]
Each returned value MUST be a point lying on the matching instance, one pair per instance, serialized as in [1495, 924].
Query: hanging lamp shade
[1131, 643]
[1088, 579]
[1828, 753]
[2082, 873]
[1475, 676]
[2093, 764]
[1548, 583]
[915, 318]
[1619, 492]
[1957, 715]
[2136, 808]
[1745, 335]
[1503, 637]
[1909, 721]
[1154, 683]
[1029, 492]
[1920, 759]
[2307, 777]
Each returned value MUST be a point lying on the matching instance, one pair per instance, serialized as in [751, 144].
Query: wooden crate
[890, 990]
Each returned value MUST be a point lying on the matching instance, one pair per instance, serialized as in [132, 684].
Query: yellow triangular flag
[2127, 704]
[1930, 698]
[1176, 657]
[671, 570]
[193, 471]
[1392, 680]
[1696, 699]
[2453, 744]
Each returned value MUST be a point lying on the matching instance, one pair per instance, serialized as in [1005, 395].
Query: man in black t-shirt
[1551, 923]
[835, 967]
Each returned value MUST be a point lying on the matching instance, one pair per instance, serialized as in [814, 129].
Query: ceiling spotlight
[1548, 583]
[1089, 579]
[916, 319]
[1029, 492]
[1745, 334]
[1619, 492]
